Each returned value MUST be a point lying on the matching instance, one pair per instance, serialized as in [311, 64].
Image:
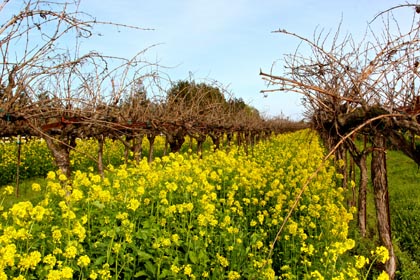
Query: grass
[25, 192]
[404, 194]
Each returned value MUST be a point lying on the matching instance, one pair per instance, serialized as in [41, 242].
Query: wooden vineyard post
[19, 148]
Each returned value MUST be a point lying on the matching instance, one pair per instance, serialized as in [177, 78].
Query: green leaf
[165, 273]
[193, 257]
[98, 204]
[143, 256]
[100, 260]
[140, 273]
[202, 256]
[150, 267]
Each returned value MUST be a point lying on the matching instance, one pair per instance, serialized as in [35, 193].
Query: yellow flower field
[183, 217]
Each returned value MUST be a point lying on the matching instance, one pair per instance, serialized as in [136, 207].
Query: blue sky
[227, 41]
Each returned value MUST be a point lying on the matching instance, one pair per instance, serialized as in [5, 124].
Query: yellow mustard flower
[93, 275]
[29, 261]
[70, 252]
[38, 213]
[383, 276]
[222, 260]
[7, 255]
[83, 261]
[233, 275]
[67, 273]
[133, 204]
[76, 195]
[49, 260]
[54, 275]
[175, 269]
[317, 275]
[361, 261]
[62, 177]
[56, 235]
[36, 187]
[381, 253]
[188, 270]
[259, 244]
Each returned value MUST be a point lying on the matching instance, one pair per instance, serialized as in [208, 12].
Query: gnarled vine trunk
[176, 140]
[215, 137]
[200, 141]
[151, 137]
[137, 147]
[359, 158]
[61, 152]
[380, 187]
[361, 206]
[101, 140]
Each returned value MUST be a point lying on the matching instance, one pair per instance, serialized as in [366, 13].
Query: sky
[227, 41]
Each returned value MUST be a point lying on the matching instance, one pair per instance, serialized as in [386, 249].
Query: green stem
[370, 267]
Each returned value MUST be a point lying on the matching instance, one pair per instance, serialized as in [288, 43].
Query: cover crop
[183, 217]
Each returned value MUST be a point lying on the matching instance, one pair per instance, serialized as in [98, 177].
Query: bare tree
[51, 90]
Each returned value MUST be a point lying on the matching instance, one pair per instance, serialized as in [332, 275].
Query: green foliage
[36, 160]
[86, 154]
[237, 105]
[201, 95]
